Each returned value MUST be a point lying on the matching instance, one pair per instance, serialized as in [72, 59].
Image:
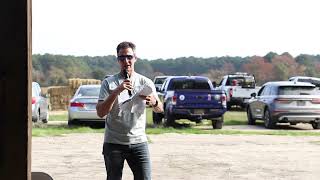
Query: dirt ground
[187, 157]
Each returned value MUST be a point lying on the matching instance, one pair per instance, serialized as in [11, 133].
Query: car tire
[217, 122]
[315, 125]
[169, 119]
[71, 122]
[228, 106]
[251, 120]
[268, 120]
[37, 118]
[244, 106]
[157, 118]
[198, 121]
[45, 120]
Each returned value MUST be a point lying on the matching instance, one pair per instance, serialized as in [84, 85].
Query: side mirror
[158, 89]
[253, 95]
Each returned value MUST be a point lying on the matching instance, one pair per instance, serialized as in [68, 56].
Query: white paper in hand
[139, 104]
[134, 104]
[123, 97]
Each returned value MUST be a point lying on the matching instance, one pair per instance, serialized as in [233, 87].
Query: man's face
[126, 59]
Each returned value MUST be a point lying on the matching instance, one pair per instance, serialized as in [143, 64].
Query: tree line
[52, 70]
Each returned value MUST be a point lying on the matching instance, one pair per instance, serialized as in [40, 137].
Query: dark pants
[136, 155]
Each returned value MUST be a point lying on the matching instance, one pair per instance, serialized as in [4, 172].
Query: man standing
[125, 137]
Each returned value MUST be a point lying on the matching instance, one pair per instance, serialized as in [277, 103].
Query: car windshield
[190, 84]
[244, 81]
[297, 90]
[160, 80]
[86, 91]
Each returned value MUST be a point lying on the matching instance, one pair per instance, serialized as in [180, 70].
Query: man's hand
[104, 107]
[150, 100]
[126, 84]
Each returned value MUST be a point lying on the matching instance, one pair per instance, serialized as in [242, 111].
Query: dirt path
[186, 157]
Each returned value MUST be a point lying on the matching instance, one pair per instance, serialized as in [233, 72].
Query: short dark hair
[125, 45]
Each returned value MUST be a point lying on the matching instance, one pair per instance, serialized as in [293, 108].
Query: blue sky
[176, 28]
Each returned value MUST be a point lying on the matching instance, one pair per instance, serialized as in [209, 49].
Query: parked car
[193, 98]
[312, 80]
[158, 81]
[82, 107]
[238, 87]
[285, 102]
[40, 107]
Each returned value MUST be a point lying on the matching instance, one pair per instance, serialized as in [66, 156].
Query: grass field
[230, 118]
[185, 126]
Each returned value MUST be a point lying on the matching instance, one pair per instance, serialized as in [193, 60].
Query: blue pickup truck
[193, 98]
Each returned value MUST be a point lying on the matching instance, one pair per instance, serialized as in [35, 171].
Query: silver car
[285, 102]
[82, 107]
[40, 107]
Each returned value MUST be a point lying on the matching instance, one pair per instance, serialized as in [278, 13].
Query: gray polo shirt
[125, 127]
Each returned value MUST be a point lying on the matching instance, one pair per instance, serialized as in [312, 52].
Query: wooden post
[15, 90]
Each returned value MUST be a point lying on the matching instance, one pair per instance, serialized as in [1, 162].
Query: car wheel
[37, 118]
[315, 125]
[157, 118]
[251, 120]
[228, 106]
[46, 119]
[268, 121]
[217, 122]
[243, 106]
[168, 119]
[198, 121]
[70, 121]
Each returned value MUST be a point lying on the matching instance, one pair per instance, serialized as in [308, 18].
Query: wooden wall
[15, 89]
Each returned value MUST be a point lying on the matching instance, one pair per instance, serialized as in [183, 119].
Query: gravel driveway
[186, 157]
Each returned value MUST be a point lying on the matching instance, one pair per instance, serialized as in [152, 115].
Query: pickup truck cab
[158, 81]
[238, 88]
[193, 98]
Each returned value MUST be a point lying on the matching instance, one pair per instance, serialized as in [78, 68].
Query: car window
[160, 80]
[36, 90]
[189, 84]
[245, 81]
[261, 90]
[163, 86]
[235, 81]
[248, 81]
[312, 81]
[273, 90]
[316, 83]
[297, 90]
[266, 91]
[34, 93]
[94, 91]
